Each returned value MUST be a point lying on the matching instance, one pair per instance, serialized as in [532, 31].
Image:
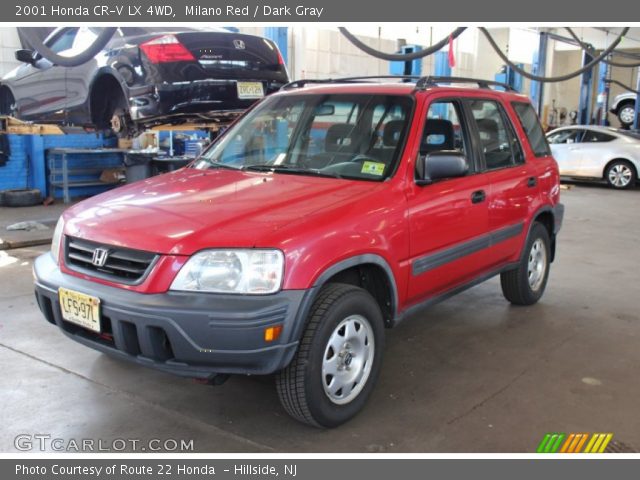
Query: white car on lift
[589, 151]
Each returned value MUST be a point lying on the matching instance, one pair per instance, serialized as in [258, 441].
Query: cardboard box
[113, 175]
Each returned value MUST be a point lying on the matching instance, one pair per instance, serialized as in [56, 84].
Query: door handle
[478, 196]
[532, 182]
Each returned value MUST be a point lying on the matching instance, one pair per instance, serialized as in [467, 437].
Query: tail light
[166, 49]
[280, 58]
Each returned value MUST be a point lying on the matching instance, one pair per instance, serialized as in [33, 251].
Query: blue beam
[586, 89]
[602, 101]
[538, 67]
[279, 36]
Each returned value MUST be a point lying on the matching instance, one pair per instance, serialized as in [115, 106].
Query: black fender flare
[330, 271]
[557, 213]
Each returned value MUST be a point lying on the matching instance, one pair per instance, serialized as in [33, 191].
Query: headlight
[56, 240]
[245, 271]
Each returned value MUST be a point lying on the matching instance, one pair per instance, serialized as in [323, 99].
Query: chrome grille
[122, 265]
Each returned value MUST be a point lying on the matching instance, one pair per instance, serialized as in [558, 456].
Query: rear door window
[497, 138]
[591, 136]
[531, 125]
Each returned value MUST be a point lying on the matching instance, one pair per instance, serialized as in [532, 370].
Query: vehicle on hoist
[326, 213]
[624, 107]
[143, 77]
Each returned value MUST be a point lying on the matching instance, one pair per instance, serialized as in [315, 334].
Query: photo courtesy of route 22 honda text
[328, 212]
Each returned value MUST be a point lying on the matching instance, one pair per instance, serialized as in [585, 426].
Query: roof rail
[302, 83]
[422, 83]
[433, 81]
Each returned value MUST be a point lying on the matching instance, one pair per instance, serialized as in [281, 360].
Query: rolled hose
[83, 57]
[560, 78]
[401, 57]
[589, 49]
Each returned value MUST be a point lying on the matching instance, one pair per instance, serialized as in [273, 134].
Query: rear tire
[20, 198]
[525, 284]
[620, 174]
[338, 360]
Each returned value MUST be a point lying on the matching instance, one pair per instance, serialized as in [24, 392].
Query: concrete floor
[472, 374]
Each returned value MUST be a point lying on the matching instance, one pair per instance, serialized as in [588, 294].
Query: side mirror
[439, 165]
[25, 56]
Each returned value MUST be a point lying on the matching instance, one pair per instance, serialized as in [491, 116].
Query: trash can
[138, 166]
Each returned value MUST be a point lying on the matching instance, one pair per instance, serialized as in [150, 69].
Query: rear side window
[532, 128]
[497, 139]
[591, 136]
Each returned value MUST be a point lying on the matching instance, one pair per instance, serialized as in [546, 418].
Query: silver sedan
[597, 153]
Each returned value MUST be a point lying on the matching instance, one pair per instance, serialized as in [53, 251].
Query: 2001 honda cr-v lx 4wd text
[326, 213]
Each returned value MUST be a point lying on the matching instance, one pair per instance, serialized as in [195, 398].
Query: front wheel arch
[340, 272]
[101, 103]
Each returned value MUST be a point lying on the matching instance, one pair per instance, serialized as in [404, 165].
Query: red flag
[452, 57]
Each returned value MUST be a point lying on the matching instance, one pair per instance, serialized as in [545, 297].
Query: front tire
[338, 360]
[525, 284]
[626, 114]
[620, 174]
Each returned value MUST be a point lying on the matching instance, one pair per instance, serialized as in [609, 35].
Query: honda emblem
[100, 257]
[239, 44]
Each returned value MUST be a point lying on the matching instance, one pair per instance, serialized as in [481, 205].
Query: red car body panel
[318, 222]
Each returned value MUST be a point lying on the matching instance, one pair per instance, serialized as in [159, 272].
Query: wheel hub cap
[348, 359]
[116, 123]
[620, 175]
[627, 114]
[537, 265]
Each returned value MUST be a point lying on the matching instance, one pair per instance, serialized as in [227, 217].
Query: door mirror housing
[439, 165]
[25, 55]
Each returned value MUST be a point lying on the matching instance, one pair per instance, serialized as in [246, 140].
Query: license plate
[250, 90]
[81, 309]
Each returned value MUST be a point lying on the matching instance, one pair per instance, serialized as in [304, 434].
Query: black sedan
[143, 77]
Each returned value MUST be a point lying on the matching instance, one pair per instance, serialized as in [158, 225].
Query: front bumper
[195, 335]
[197, 97]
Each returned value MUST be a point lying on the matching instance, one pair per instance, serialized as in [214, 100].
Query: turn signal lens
[272, 333]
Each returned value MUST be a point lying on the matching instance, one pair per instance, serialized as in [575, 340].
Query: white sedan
[597, 152]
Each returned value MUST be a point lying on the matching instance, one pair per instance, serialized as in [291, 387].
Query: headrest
[438, 135]
[339, 137]
[392, 131]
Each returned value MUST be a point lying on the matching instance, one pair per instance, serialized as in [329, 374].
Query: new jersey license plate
[250, 90]
[80, 309]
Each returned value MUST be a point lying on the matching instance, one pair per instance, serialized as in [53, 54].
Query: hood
[188, 210]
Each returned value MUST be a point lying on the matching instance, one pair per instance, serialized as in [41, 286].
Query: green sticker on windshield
[373, 168]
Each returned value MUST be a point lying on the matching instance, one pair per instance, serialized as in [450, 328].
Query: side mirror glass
[439, 165]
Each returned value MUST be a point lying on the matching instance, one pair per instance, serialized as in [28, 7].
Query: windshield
[342, 136]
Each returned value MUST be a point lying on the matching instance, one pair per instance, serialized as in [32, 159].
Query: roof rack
[422, 83]
[433, 81]
[302, 83]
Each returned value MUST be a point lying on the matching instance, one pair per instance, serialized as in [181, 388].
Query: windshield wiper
[288, 169]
